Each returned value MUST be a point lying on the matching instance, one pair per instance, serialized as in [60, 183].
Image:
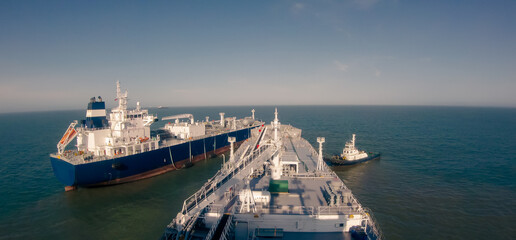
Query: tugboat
[351, 155]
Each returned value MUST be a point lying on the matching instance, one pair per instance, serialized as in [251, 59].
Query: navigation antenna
[121, 97]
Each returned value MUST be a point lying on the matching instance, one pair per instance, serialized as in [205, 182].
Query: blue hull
[145, 164]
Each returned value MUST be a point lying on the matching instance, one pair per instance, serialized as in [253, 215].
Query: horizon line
[280, 105]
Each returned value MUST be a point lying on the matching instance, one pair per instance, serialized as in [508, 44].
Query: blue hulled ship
[122, 148]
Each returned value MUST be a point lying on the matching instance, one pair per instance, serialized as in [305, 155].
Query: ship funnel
[96, 114]
[207, 118]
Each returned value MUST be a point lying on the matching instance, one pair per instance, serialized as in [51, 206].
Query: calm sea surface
[445, 173]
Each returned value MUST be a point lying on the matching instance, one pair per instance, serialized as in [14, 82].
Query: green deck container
[278, 186]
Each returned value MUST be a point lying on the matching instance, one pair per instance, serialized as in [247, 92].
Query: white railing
[220, 178]
[340, 210]
[284, 210]
[373, 227]
[214, 226]
[215, 182]
[309, 210]
[227, 228]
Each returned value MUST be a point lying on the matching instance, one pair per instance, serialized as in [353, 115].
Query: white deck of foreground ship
[236, 202]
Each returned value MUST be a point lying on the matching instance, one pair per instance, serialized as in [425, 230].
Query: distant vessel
[351, 155]
[121, 149]
[275, 186]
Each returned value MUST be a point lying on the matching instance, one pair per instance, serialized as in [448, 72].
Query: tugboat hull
[338, 161]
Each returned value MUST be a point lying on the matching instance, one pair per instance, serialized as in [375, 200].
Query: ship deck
[76, 157]
[306, 188]
[315, 204]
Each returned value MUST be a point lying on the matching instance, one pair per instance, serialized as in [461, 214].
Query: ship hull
[338, 161]
[143, 165]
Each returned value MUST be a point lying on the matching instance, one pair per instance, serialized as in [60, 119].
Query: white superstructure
[184, 130]
[351, 153]
[126, 132]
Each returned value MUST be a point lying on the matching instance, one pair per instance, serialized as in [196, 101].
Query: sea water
[445, 173]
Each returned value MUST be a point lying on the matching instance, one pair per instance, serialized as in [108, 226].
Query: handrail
[214, 226]
[210, 187]
[227, 227]
[374, 227]
[309, 210]
[220, 178]
[215, 182]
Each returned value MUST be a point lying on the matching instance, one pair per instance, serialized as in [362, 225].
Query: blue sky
[57, 54]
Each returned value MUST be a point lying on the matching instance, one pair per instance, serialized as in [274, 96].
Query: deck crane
[68, 136]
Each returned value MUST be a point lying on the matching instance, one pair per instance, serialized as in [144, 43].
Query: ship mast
[320, 164]
[276, 168]
[119, 115]
[276, 125]
[121, 97]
